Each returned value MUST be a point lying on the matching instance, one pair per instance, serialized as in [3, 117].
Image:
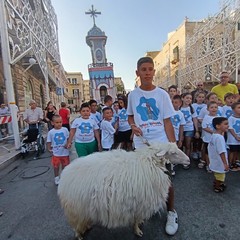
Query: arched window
[28, 93]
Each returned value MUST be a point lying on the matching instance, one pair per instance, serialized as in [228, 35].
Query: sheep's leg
[81, 229]
[137, 230]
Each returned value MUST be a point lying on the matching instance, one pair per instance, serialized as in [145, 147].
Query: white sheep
[117, 188]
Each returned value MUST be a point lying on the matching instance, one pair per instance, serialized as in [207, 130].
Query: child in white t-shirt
[57, 145]
[86, 132]
[207, 131]
[94, 113]
[198, 104]
[191, 126]
[233, 137]
[229, 99]
[217, 151]
[107, 130]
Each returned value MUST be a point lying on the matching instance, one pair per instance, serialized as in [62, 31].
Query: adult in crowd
[224, 87]
[50, 111]
[33, 115]
[200, 88]
[64, 112]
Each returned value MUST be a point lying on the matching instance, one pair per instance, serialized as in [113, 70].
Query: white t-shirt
[177, 120]
[234, 124]
[84, 130]
[123, 120]
[217, 146]
[197, 107]
[58, 138]
[97, 117]
[207, 123]
[204, 112]
[227, 111]
[188, 118]
[107, 134]
[150, 108]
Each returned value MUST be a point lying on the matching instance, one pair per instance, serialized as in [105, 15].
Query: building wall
[86, 91]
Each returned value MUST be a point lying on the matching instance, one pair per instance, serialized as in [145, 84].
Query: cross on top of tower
[93, 12]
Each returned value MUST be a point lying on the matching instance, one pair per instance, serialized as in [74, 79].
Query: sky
[133, 27]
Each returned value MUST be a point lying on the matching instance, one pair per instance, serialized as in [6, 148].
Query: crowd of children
[208, 131]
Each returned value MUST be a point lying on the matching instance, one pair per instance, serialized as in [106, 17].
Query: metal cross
[93, 12]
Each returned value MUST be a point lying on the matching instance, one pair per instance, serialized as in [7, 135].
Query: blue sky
[133, 27]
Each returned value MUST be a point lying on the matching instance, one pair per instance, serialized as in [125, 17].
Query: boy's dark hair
[210, 103]
[172, 86]
[210, 94]
[63, 104]
[144, 60]
[234, 105]
[92, 101]
[177, 97]
[106, 108]
[55, 117]
[228, 95]
[107, 98]
[84, 105]
[217, 121]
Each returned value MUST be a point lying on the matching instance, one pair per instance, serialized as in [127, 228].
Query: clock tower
[100, 71]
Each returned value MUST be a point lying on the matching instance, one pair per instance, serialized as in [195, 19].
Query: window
[74, 81]
[75, 93]
[69, 80]
[70, 101]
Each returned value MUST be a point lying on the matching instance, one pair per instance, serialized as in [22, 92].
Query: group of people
[197, 122]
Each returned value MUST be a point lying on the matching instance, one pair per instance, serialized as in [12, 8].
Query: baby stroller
[33, 141]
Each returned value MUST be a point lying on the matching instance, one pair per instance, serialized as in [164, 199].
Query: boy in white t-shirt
[233, 137]
[218, 153]
[107, 130]
[57, 145]
[229, 99]
[94, 113]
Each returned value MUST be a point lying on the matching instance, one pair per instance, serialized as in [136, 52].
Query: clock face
[99, 55]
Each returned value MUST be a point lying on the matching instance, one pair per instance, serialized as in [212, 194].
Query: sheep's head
[171, 152]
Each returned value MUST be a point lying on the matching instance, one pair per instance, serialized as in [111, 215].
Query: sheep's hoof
[138, 231]
[78, 236]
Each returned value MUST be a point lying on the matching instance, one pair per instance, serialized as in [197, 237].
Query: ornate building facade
[37, 72]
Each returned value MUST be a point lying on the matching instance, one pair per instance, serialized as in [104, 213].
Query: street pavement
[32, 210]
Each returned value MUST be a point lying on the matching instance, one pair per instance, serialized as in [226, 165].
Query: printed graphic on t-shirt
[123, 115]
[85, 128]
[147, 109]
[236, 126]
[175, 120]
[59, 138]
[198, 109]
[229, 113]
[187, 115]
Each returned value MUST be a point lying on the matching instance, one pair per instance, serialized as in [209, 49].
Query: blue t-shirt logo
[175, 120]
[229, 113]
[236, 127]
[147, 109]
[85, 128]
[198, 110]
[123, 115]
[59, 138]
[187, 115]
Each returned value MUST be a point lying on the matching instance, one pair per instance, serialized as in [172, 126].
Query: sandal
[218, 190]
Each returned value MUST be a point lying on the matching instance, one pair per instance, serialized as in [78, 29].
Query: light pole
[8, 74]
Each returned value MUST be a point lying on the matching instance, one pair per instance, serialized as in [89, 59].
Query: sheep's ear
[162, 153]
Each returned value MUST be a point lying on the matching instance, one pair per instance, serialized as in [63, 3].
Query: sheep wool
[114, 188]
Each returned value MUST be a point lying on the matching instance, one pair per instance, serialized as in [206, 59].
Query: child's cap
[144, 60]
[228, 95]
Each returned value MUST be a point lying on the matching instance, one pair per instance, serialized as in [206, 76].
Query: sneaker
[201, 164]
[56, 180]
[194, 155]
[186, 167]
[173, 173]
[172, 223]
[234, 168]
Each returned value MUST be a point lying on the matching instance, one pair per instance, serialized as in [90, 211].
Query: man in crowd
[33, 115]
[225, 87]
[200, 88]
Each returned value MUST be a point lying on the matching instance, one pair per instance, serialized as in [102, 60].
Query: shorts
[124, 136]
[220, 176]
[188, 133]
[84, 149]
[234, 148]
[57, 160]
